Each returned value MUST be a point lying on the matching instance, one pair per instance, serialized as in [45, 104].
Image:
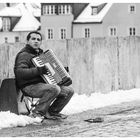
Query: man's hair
[33, 32]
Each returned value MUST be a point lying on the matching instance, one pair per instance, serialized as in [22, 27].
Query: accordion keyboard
[48, 76]
[57, 73]
[56, 63]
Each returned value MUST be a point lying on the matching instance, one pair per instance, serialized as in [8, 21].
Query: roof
[18, 9]
[86, 16]
[27, 22]
[10, 11]
[35, 9]
[27, 13]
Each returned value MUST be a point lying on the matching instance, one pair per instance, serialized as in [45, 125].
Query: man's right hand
[43, 70]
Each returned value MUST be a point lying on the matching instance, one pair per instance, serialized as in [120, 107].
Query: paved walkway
[121, 120]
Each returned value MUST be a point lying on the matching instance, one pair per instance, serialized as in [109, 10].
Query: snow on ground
[77, 104]
[81, 103]
[8, 119]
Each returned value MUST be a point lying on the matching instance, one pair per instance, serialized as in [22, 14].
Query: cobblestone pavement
[121, 120]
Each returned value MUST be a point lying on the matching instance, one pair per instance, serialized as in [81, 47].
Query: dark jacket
[25, 71]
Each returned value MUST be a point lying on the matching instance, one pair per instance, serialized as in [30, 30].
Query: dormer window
[49, 10]
[94, 10]
[6, 24]
[64, 9]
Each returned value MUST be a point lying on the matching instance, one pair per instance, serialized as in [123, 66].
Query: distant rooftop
[27, 23]
[27, 12]
[10, 11]
[86, 15]
[18, 9]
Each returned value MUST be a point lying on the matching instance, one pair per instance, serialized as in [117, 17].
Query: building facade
[120, 19]
[57, 18]
[65, 21]
[60, 21]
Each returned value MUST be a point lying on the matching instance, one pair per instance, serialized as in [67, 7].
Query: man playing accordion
[52, 98]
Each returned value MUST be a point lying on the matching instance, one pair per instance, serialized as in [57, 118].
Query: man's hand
[43, 70]
[67, 69]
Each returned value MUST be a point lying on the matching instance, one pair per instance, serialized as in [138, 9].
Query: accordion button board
[57, 73]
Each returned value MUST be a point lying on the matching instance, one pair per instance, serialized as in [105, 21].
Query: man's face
[35, 41]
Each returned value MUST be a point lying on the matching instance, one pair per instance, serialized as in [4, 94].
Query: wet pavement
[121, 120]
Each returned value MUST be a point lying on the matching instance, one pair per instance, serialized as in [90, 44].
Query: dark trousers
[52, 97]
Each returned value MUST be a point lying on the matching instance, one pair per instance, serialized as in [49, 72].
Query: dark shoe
[50, 117]
[59, 115]
[35, 114]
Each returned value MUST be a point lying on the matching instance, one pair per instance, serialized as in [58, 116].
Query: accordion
[56, 72]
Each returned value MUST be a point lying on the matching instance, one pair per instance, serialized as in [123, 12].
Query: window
[49, 33]
[112, 31]
[63, 33]
[44, 10]
[16, 39]
[6, 24]
[93, 10]
[132, 31]
[87, 32]
[49, 9]
[64, 9]
[68, 9]
[132, 9]
[6, 39]
[57, 9]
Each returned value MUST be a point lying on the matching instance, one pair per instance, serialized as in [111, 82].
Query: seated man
[52, 98]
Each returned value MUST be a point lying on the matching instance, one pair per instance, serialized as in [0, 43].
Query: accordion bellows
[57, 73]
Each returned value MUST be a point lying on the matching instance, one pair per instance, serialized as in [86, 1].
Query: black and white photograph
[69, 69]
